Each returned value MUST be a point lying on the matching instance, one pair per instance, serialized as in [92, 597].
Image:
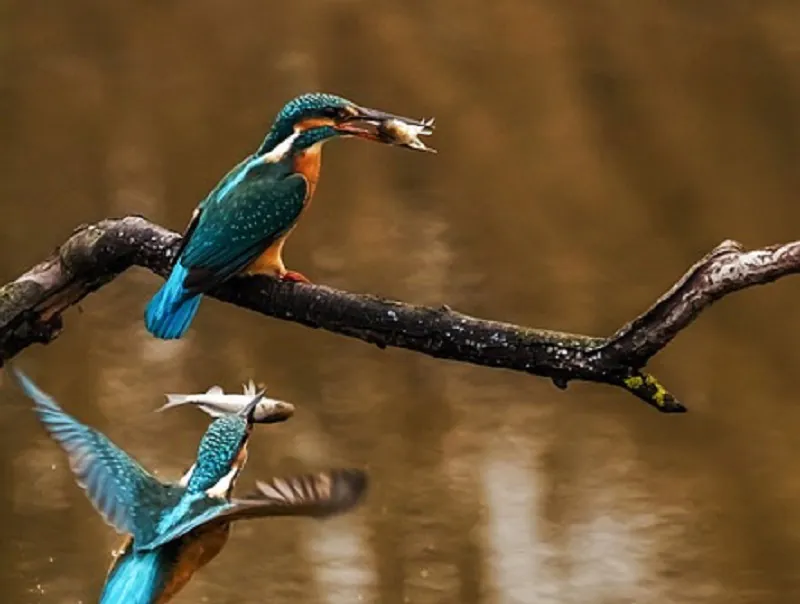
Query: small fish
[216, 403]
[403, 134]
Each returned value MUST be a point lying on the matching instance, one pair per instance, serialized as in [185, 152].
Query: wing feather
[189, 231]
[238, 226]
[120, 489]
[313, 495]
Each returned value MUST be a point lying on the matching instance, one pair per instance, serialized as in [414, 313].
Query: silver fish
[216, 403]
[402, 134]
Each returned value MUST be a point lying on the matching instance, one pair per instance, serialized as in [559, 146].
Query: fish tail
[173, 400]
[170, 312]
[176, 400]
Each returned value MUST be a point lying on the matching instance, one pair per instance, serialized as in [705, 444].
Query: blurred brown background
[589, 152]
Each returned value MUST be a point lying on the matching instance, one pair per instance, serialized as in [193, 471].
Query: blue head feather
[305, 106]
[217, 452]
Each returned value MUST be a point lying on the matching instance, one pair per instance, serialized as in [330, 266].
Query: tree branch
[31, 309]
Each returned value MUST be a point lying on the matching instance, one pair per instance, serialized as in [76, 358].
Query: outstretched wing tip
[350, 486]
[330, 492]
[25, 383]
[110, 478]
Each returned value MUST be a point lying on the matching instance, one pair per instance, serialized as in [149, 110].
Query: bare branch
[31, 309]
[726, 269]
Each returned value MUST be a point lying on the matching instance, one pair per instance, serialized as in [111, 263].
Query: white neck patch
[186, 477]
[280, 151]
[223, 486]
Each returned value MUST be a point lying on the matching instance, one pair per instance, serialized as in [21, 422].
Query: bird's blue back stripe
[226, 188]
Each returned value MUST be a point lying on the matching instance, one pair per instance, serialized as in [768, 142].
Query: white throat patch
[186, 477]
[223, 486]
[280, 151]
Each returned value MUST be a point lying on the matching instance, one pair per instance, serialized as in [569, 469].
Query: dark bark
[31, 309]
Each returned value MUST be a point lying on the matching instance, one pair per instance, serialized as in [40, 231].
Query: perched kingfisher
[243, 223]
[174, 529]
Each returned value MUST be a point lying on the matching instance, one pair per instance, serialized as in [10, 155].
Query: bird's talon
[294, 277]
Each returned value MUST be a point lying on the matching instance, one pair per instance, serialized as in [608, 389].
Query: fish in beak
[387, 128]
[217, 403]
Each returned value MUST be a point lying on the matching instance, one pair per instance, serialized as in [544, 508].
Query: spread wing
[238, 222]
[314, 495]
[119, 488]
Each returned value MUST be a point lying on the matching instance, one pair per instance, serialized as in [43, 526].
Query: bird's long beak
[388, 128]
[249, 410]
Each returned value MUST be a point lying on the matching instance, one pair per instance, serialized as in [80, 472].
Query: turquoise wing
[239, 221]
[127, 496]
[188, 516]
[313, 495]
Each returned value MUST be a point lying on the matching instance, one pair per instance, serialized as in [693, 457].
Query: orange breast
[308, 163]
[270, 262]
[197, 549]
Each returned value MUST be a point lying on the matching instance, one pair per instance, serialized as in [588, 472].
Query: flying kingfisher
[243, 223]
[174, 529]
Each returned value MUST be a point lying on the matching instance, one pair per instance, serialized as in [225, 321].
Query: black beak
[375, 117]
[249, 411]
[388, 128]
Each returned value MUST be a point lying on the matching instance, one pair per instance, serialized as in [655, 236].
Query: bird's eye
[331, 112]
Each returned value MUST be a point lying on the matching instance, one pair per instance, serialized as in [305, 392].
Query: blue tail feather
[137, 578]
[170, 312]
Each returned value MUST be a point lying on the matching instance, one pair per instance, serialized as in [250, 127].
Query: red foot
[295, 277]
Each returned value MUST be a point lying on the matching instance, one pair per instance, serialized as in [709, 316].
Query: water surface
[589, 152]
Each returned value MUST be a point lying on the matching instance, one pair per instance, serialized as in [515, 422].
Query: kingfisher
[241, 226]
[175, 528]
